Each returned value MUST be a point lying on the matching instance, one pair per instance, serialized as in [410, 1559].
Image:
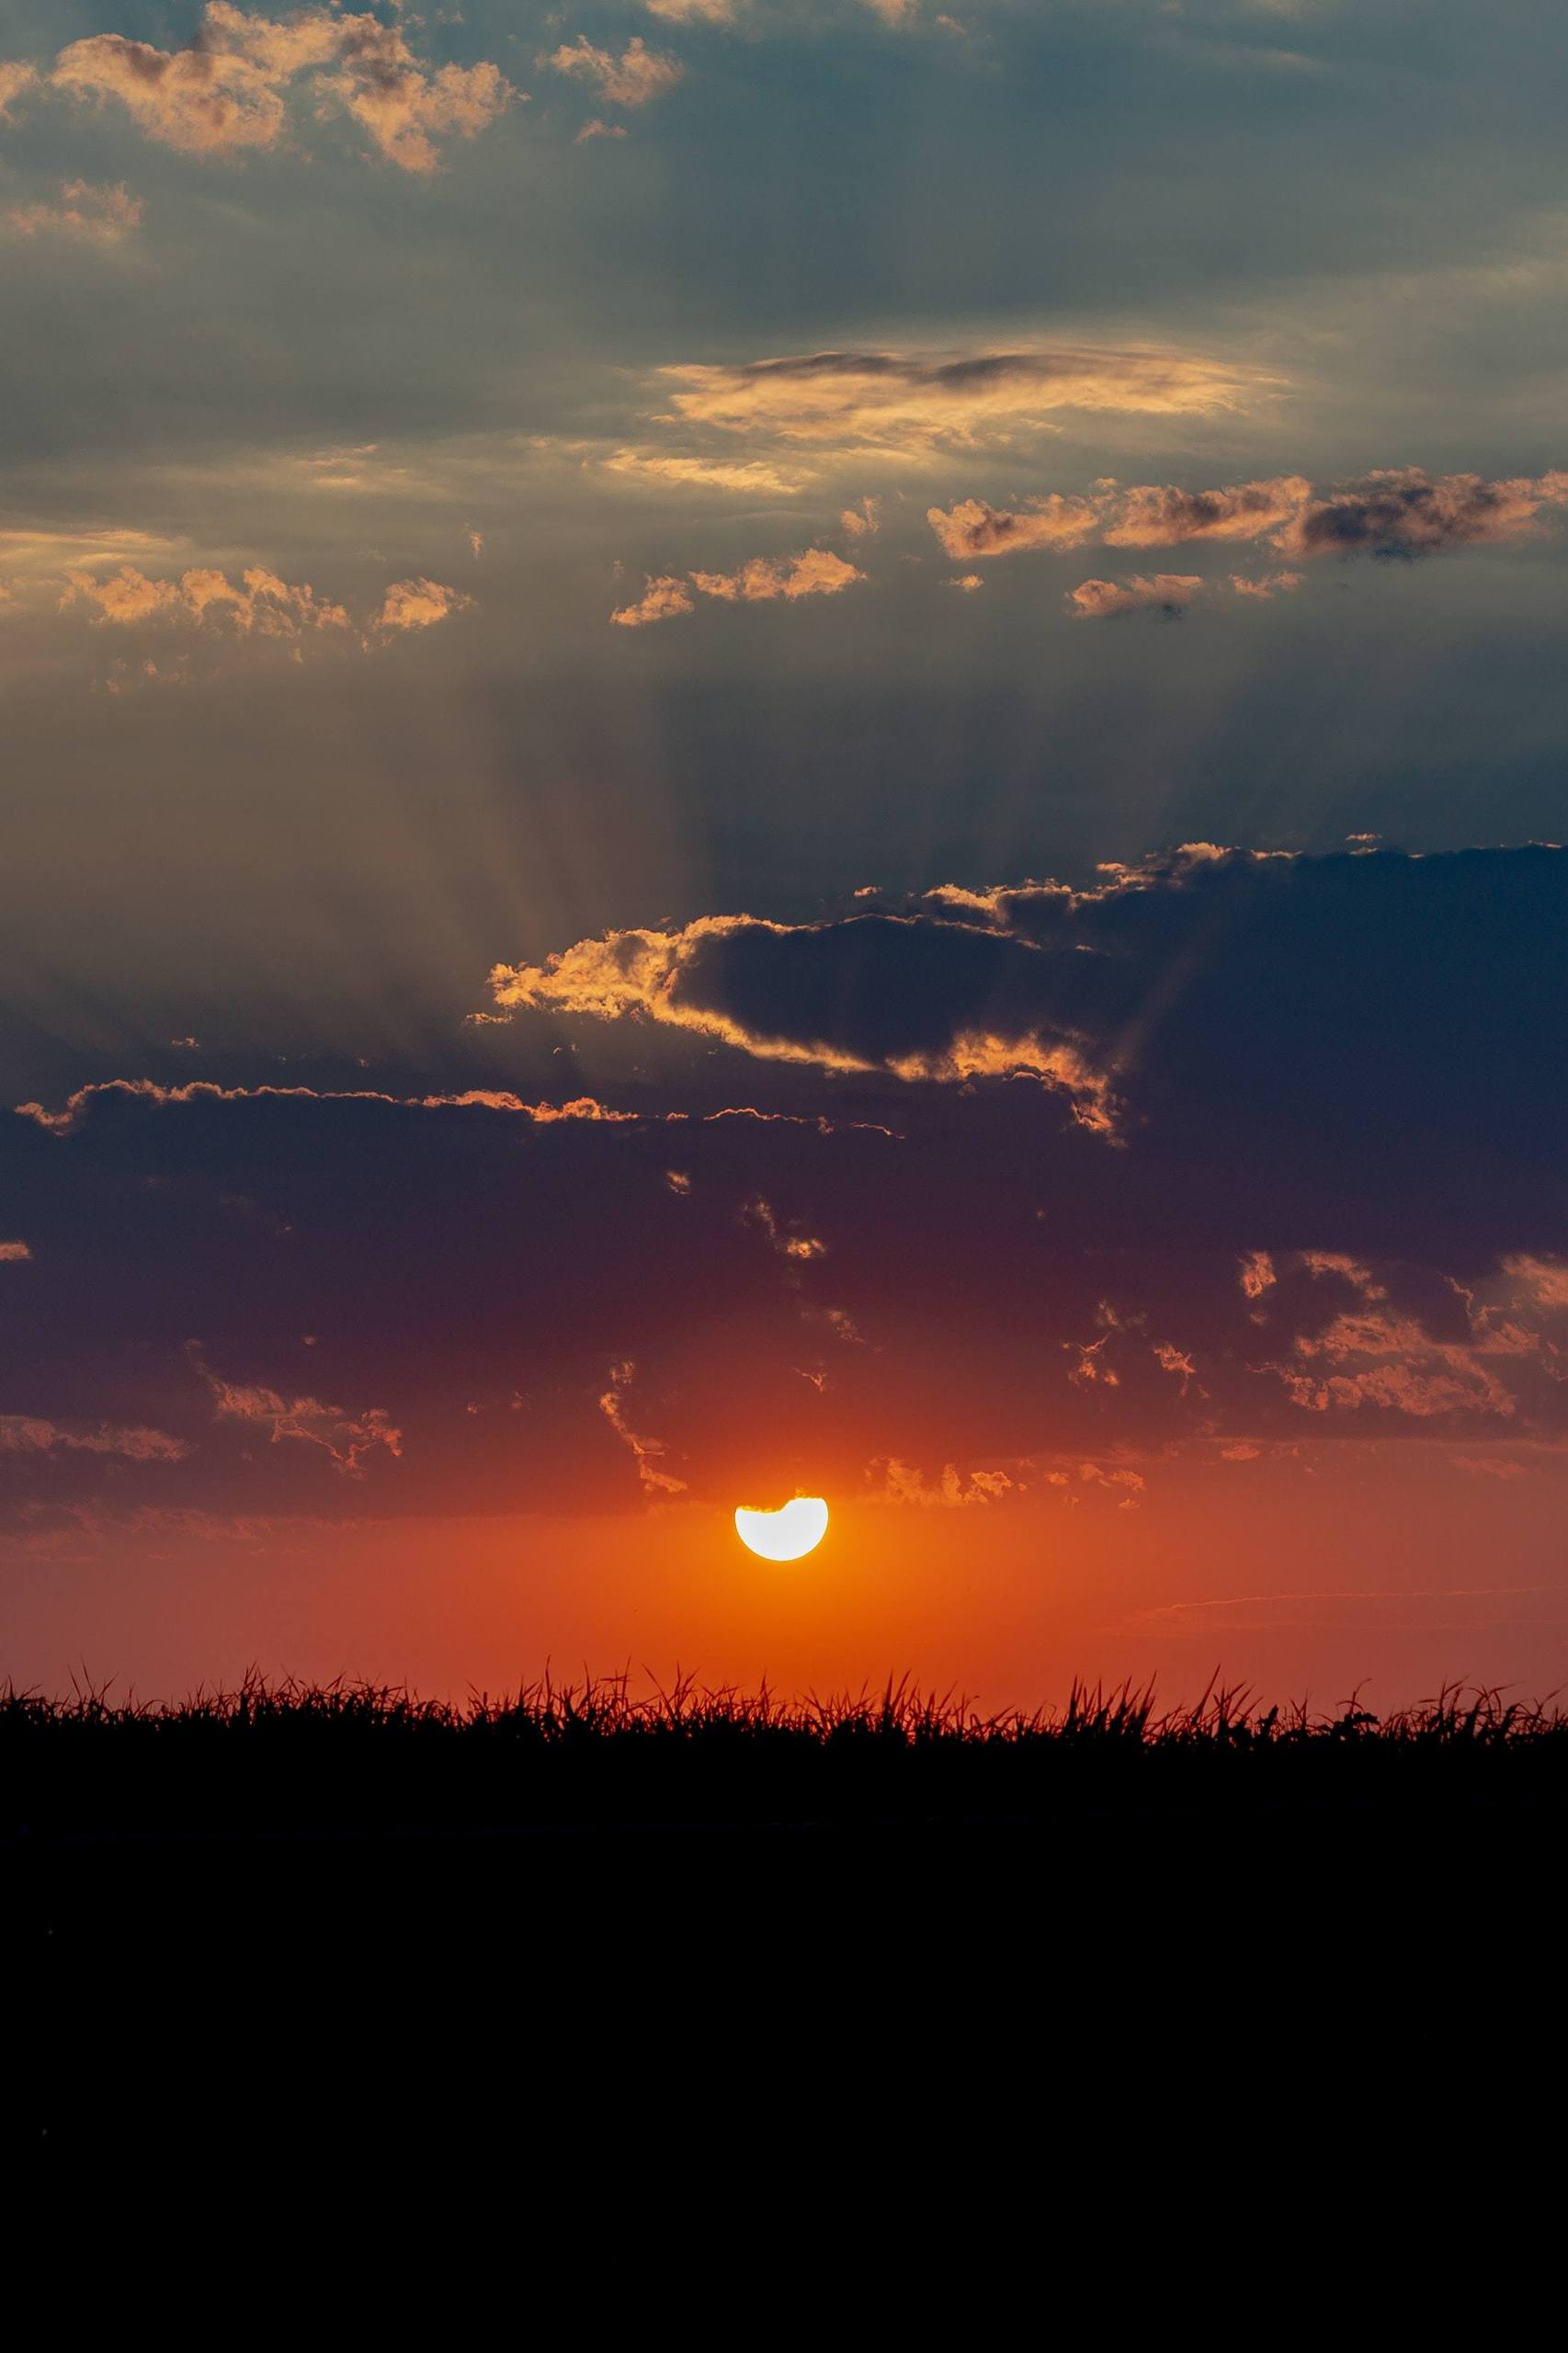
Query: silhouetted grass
[294, 1758]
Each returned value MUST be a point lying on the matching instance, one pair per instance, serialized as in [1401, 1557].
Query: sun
[786, 1535]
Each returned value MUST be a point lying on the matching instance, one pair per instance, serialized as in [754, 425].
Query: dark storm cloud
[1341, 1023]
[1404, 513]
[1314, 1188]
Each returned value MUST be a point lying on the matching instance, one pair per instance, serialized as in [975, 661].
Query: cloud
[13, 79]
[14, 1252]
[864, 520]
[202, 100]
[1156, 516]
[909, 999]
[1268, 584]
[661, 600]
[1545, 1281]
[1393, 513]
[403, 107]
[1238, 1054]
[648, 1451]
[97, 216]
[597, 128]
[1403, 512]
[815, 572]
[1167, 592]
[30, 1434]
[419, 603]
[1331, 1014]
[901, 1483]
[750, 477]
[348, 1438]
[693, 12]
[227, 90]
[972, 528]
[635, 78]
[903, 402]
[263, 605]
[205, 1091]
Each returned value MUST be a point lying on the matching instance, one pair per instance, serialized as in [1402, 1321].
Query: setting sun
[786, 1535]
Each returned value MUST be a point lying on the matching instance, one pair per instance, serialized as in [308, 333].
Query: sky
[769, 746]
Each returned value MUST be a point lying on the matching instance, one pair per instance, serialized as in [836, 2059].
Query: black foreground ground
[591, 1905]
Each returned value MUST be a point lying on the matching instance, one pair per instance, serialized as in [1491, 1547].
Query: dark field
[577, 1919]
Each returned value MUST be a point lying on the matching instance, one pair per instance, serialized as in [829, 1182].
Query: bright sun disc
[786, 1535]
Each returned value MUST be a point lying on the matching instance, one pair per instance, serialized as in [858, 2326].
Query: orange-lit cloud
[227, 90]
[908, 403]
[972, 528]
[693, 12]
[901, 1483]
[1267, 585]
[1399, 512]
[633, 79]
[263, 605]
[817, 572]
[260, 604]
[764, 579]
[419, 603]
[14, 1252]
[661, 600]
[648, 1451]
[748, 477]
[1404, 512]
[1167, 592]
[30, 1434]
[1153, 514]
[678, 978]
[74, 1109]
[1544, 1280]
[801, 1247]
[13, 79]
[94, 216]
[348, 1438]
[864, 520]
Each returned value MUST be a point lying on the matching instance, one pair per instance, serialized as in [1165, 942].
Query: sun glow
[785, 1535]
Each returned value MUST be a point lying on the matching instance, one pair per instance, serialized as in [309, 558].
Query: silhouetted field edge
[290, 1756]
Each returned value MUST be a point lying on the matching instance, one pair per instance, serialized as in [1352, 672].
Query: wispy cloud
[32, 1434]
[348, 1438]
[1169, 593]
[648, 1451]
[907, 403]
[94, 216]
[747, 477]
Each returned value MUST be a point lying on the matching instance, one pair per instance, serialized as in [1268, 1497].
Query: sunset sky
[758, 746]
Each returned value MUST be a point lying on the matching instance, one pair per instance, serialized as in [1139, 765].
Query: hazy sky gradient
[474, 491]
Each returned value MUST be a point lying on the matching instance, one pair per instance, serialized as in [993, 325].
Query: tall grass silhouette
[295, 1757]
